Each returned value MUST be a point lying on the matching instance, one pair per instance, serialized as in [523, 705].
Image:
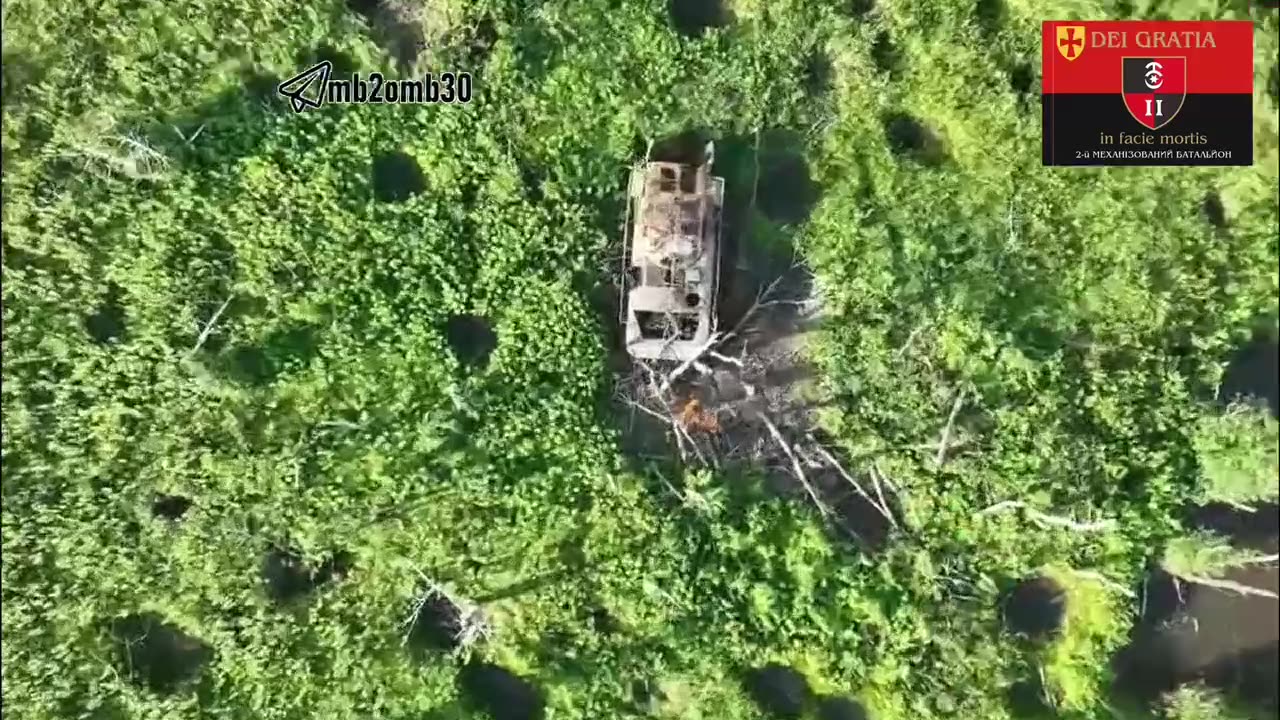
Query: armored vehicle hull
[673, 259]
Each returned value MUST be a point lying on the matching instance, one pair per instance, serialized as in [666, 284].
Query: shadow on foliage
[1190, 633]
[364, 8]
[401, 29]
[779, 691]
[396, 177]
[818, 74]
[107, 324]
[155, 654]
[885, 54]
[1254, 373]
[289, 348]
[471, 338]
[205, 272]
[260, 86]
[343, 63]
[1213, 210]
[600, 620]
[500, 692]
[248, 365]
[18, 71]
[841, 708]
[858, 9]
[1258, 529]
[17, 258]
[480, 41]
[1022, 77]
[1035, 608]
[435, 627]
[785, 192]
[236, 117]
[692, 18]
[170, 507]
[908, 137]
[1026, 700]
[287, 577]
[991, 15]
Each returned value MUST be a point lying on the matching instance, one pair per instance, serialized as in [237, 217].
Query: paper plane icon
[306, 89]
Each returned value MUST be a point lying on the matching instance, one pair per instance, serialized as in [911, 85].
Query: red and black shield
[1154, 88]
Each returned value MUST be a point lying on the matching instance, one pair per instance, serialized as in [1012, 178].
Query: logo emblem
[1070, 40]
[298, 89]
[1154, 88]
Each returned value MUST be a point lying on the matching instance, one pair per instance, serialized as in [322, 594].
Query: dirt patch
[841, 708]
[779, 691]
[155, 654]
[108, 324]
[436, 626]
[885, 54]
[991, 15]
[1213, 210]
[500, 692]
[1036, 608]
[471, 338]
[170, 507]
[1254, 373]
[287, 577]
[910, 138]
[692, 18]
[397, 177]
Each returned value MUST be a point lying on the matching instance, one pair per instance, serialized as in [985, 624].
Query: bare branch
[1045, 519]
[725, 358]
[946, 432]
[911, 339]
[857, 487]
[796, 467]
[1260, 560]
[684, 366]
[1231, 586]
[208, 327]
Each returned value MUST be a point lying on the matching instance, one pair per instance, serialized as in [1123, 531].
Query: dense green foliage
[1086, 314]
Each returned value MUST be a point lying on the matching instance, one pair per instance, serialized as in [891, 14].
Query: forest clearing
[329, 414]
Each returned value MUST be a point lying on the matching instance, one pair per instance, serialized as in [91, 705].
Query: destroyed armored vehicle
[672, 258]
